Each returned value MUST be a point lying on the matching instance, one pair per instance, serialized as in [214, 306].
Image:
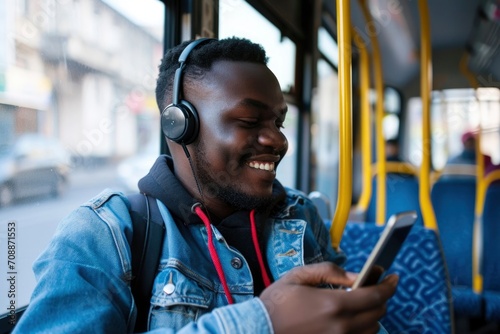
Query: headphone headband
[176, 92]
[187, 50]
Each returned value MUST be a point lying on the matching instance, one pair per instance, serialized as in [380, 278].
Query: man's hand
[296, 305]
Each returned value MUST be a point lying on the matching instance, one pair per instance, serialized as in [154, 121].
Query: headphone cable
[202, 197]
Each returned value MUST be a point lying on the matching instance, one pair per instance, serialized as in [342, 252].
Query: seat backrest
[453, 199]
[401, 195]
[322, 203]
[491, 244]
[422, 302]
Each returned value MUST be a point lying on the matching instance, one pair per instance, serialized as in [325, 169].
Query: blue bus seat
[453, 199]
[322, 203]
[422, 302]
[491, 249]
[401, 195]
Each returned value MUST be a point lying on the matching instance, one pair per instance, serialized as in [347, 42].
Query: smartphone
[383, 254]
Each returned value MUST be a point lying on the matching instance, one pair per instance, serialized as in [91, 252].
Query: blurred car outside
[135, 167]
[33, 165]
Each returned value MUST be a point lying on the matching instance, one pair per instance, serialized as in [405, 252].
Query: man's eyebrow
[260, 105]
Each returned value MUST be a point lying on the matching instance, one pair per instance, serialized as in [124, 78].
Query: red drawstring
[214, 255]
[216, 259]
[255, 240]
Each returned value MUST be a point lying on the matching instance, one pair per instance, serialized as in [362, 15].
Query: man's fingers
[372, 296]
[320, 273]
[367, 322]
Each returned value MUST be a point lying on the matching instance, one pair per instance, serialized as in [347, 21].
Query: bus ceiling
[458, 28]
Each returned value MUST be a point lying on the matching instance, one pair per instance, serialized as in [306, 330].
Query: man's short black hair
[200, 61]
[392, 141]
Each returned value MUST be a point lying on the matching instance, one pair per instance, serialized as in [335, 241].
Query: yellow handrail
[480, 180]
[466, 72]
[477, 232]
[379, 116]
[397, 167]
[425, 91]
[477, 277]
[345, 165]
[481, 186]
[366, 151]
[488, 180]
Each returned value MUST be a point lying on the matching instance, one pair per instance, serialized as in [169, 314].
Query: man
[392, 150]
[239, 248]
[468, 154]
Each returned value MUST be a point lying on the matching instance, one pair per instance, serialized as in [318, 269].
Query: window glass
[413, 131]
[461, 112]
[77, 113]
[390, 126]
[455, 112]
[287, 170]
[325, 133]
[392, 101]
[489, 106]
[392, 108]
[328, 46]
[238, 18]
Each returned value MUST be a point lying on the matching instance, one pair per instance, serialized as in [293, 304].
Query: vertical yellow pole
[477, 234]
[425, 92]
[477, 277]
[379, 116]
[466, 72]
[366, 151]
[345, 166]
[477, 237]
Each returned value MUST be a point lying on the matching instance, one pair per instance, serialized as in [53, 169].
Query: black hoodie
[162, 184]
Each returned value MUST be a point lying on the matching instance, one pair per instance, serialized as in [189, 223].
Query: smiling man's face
[242, 110]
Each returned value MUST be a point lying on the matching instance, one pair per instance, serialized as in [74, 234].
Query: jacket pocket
[177, 300]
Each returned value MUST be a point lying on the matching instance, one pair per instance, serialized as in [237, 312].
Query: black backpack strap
[147, 240]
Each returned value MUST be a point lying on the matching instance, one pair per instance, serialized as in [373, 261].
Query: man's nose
[271, 136]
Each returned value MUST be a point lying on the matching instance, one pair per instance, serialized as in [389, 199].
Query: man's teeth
[269, 166]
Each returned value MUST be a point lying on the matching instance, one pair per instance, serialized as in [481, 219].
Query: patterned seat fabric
[491, 249]
[492, 305]
[450, 217]
[422, 303]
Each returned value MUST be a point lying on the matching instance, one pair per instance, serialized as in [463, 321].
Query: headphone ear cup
[180, 122]
[192, 123]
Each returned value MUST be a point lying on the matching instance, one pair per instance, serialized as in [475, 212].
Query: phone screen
[386, 249]
[392, 247]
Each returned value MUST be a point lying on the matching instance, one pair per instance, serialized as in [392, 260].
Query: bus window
[489, 106]
[392, 108]
[454, 113]
[328, 46]
[76, 98]
[235, 18]
[325, 132]
[390, 126]
[287, 170]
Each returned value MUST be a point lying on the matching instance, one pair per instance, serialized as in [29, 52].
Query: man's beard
[225, 188]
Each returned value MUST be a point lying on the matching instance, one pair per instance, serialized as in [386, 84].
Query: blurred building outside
[80, 72]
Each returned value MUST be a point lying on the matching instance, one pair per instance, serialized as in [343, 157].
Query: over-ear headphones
[179, 120]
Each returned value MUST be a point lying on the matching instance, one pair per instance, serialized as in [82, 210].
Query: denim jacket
[84, 275]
